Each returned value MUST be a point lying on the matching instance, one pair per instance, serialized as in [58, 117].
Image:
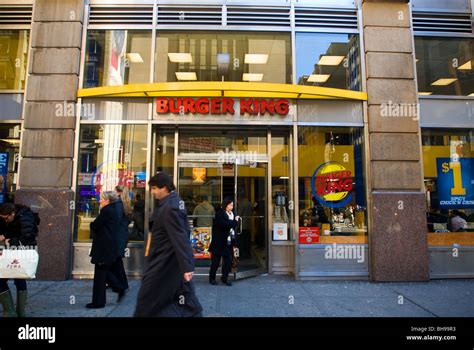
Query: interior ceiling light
[252, 58]
[318, 78]
[180, 57]
[330, 60]
[186, 75]
[444, 81]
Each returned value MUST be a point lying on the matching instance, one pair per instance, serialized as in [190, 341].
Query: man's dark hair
[7, 209]
[161, 180]
[226, 202]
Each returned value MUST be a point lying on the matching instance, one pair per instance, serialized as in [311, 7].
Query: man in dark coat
[104, 248]
[167, 289]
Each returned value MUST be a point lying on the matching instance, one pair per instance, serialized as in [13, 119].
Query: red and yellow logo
[332, 185]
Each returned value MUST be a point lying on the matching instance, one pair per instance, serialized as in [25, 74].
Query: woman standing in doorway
[223, 239]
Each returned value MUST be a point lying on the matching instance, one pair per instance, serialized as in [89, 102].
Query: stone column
[47, 140]
[397, 214]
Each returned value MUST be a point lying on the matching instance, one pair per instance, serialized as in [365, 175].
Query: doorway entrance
[203, 185]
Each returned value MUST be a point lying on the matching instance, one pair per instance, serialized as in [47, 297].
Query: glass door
[200, 186]
[251, 206]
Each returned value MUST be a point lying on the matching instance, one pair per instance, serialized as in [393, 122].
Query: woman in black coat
[223, 240]
[104, 250]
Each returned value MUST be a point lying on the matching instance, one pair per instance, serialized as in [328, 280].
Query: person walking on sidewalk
[104, 249]
[167, 289]
[117, 270]
[19, 228]
[223, 240]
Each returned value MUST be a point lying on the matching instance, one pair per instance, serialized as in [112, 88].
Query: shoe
[121, 295]
[21, 297]
[214, 283]
[227, 283]
[94, 306]
[7, 302]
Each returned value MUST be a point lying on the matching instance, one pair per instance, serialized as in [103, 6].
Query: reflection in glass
[111, 155]
[117, 57]
[331, 184]
[445, 66]
[13, 59]
[9, 152]
[239, 56]
[329, 60]
[115, 109]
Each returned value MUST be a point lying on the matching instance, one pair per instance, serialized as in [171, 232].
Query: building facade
[342, 129]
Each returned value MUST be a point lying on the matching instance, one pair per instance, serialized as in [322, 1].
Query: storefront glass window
[9, 152]
[114, 109]
[117, 57]
[218, 56]
[448, 165]
[328, 60]
[332, 205]
[13, 59]
[111, 155]
[445, 66]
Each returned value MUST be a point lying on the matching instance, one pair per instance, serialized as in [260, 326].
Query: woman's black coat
[105, 229]
[22, 229]
[168, 255]
[220, 232]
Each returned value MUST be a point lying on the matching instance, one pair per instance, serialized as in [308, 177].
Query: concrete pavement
[273, 296]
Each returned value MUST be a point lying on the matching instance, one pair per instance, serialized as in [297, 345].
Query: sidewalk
[274, 296]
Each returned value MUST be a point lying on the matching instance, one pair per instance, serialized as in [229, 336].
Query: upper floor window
[328, 60]
[445, 66]
[117, 57]
[217, 56]
[13, 59]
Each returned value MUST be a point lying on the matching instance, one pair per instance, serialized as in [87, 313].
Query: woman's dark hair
[226, 202]
[161, 180]
[7, 209]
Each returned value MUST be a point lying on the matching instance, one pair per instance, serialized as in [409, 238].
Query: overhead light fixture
[10, 140]
[425, 93]
[471, 94]
[444, 81]
[252, 58]
[466, 66]
[134, 57]
[284, 177]
[330, 60]
[252, 77]
[186, 75]
[318, 78]
[180, 57]
[99, 141]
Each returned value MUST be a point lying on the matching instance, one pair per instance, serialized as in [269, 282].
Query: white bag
[18, 263]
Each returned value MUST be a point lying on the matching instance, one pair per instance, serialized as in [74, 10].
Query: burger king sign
[332, 185]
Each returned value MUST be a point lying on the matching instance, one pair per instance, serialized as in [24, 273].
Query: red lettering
[161, 105]
[267, 106]
[281, 107]
[347, 185]
[216, 106]
[228, 106]
[175, 105]
[202, 106]
[256, 106]
[188, 104]
[245, 106]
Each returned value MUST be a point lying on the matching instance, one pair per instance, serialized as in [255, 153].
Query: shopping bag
[18, 263]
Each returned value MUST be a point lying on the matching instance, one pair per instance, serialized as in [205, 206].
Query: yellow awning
[222, 89]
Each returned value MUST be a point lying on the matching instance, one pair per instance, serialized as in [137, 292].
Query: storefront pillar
[47, 140]
[397, 211]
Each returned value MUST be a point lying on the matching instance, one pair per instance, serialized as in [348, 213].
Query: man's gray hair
[109, 195]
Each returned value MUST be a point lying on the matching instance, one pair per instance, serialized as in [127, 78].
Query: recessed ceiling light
[444, 81]
[252, 77]
[466, 66]
[252, 58]
[186, 75]
[471, 94]
[330, 60]
[425, 93]
[135, 57]
[180, 57]
[318, 78]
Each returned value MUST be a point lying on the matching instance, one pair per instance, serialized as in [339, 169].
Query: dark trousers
[101, 277]
[226, 266]
[117, 275]
[19, 284]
